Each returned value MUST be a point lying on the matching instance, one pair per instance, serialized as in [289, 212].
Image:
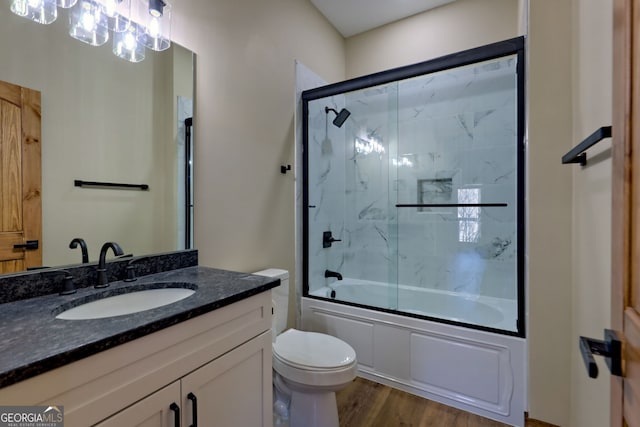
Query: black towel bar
[577, 155]
[80, 183]
[451, 205]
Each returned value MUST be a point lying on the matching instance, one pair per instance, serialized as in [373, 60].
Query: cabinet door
[152, 411]
[233, 390]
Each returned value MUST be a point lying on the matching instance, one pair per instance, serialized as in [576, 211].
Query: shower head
[340, 116]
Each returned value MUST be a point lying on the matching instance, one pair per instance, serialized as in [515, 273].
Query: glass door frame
[515, 46]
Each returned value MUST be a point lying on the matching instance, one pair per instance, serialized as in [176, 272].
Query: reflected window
[468, 216]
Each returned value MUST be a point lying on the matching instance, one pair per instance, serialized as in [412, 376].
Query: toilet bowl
[309, 367]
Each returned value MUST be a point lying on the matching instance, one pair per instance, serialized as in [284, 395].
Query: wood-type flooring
[367, 404]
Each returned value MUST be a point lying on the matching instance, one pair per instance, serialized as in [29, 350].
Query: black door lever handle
[29, 245]
[610, 348]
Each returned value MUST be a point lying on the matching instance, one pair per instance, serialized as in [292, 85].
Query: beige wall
[549, 211]
[244, 130]
[97, 125]
[592, 53]
[460, 25]
[244, 220]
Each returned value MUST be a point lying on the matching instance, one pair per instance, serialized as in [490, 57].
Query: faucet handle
[68, 287]
[131, 269]
[131, 274]
[327, 239]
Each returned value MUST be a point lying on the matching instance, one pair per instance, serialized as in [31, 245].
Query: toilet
[308, 367]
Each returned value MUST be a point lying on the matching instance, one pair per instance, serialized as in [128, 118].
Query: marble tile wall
[448, 137]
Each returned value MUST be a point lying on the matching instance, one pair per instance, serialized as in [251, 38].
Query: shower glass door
[457, 175]
[352, 221]
[414, 189]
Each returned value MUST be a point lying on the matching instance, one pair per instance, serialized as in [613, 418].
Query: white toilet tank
[279, 297]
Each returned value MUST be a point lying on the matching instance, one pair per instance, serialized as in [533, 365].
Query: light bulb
[88, 21]
[154, 27]
[110, 8]
[129, 41]
[40, 11]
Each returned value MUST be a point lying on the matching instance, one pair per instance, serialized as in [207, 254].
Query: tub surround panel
[387, 358]
[36, 283]
[35, 342]
[445, 369]
[468, 369]
[359, 334]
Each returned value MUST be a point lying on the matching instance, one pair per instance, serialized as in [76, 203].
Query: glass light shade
[118, 14]
[127, 46]
[155, 19]
[66, 4]
[87, 23]
[40, 11]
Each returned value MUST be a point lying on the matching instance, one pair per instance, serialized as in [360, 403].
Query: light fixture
[155, 20]
[118, 14]
[126, 45]
[148, 24]
[66, 4]
[156, 8]
[40, 11]
[87, 23]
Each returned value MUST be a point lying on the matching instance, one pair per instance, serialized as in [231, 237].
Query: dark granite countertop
[33, 341]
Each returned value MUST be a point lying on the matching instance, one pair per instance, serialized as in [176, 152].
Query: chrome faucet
[329, 273]
[103, 282]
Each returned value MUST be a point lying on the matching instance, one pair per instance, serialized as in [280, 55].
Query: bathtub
[497, 313]
[474, 370]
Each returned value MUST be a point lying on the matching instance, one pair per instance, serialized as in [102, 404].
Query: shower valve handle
[327, 239]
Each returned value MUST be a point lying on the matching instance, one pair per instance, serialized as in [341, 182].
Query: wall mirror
[108, 120]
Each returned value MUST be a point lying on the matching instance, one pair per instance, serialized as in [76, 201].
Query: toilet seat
[314, 359]
[312, 350]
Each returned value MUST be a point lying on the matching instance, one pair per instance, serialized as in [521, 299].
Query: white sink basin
[129, 303]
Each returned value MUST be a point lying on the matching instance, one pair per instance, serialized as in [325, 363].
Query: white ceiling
[351, 17]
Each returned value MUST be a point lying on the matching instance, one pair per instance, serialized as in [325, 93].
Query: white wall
[243, 123]
[591, 247]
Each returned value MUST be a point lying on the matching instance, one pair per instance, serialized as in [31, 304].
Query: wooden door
[625, 286]
[20, 178]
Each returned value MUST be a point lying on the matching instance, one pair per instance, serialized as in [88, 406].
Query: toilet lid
[313, 350]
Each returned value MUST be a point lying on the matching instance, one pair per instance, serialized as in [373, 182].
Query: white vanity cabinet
[223, 358]
[152, 411]
[229, 391]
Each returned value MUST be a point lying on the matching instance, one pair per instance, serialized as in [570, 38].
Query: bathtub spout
[329, 273]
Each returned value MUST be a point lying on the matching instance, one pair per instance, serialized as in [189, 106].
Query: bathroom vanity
[208, 361]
